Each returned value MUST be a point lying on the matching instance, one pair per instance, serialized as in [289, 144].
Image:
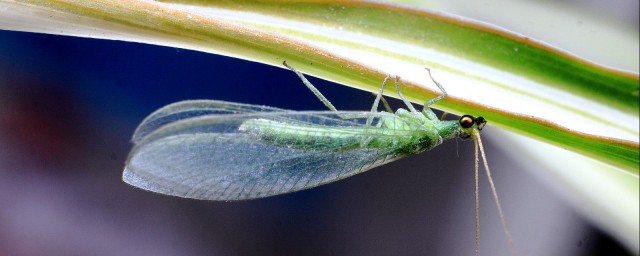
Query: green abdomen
[319, 137]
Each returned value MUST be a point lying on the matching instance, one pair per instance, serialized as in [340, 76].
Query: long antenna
[478, 141]
[477, 195]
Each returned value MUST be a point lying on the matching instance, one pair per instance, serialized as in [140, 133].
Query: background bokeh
[68, 107]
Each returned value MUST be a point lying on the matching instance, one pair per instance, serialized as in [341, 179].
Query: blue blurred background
[68, 107]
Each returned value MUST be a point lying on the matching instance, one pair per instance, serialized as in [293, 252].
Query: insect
[183, 149]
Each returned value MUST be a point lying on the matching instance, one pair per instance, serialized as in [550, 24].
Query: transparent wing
[235, 167]
[193, 108]
[210, 157]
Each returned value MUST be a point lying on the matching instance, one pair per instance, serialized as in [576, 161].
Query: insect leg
[386, 105]
[426, 110]
[405, 100]
[443, 116]
[313, 89]
[374, 108]
[379, 97]
[436, 99]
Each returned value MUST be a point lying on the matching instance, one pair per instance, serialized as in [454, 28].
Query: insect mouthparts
[481, 122]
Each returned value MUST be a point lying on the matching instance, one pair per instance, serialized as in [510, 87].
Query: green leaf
[515, 82]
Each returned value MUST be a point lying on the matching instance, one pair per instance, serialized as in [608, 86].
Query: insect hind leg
[313, 89]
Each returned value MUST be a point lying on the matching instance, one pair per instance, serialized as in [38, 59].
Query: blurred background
[68, 108]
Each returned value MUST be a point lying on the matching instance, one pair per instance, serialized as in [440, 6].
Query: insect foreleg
[426, 110]
[443, 116]
[436, 99]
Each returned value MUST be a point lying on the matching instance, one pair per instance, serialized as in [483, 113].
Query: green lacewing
[183, 149]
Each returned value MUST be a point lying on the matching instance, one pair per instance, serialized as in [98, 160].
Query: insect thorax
[416, 132]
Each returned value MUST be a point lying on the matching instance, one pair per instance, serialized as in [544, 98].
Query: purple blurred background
[68, 107]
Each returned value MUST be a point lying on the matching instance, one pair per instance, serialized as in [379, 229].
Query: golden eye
[466, 121]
